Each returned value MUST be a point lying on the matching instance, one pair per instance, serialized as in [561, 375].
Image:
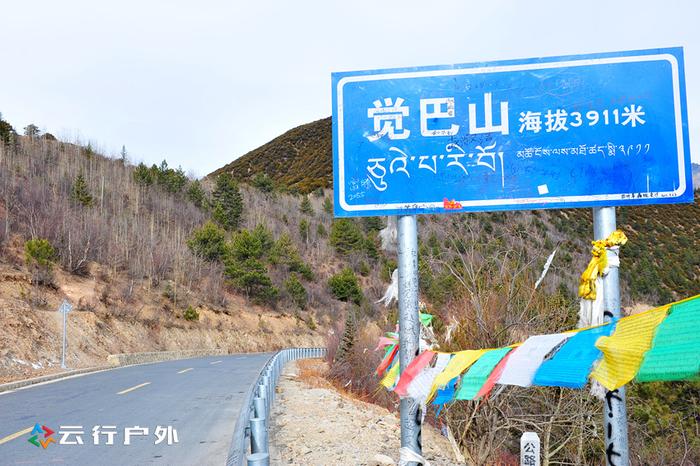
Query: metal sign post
[409, 326]
[64, 309]
[615, 410]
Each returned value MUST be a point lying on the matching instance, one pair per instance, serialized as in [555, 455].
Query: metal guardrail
[250, 439]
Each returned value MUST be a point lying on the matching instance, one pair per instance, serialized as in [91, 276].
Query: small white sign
[529, 449]
[66, 307]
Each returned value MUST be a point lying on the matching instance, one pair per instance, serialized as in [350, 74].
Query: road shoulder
[313, 424]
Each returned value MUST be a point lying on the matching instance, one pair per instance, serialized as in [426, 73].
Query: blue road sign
[65, 307]
[576, 131]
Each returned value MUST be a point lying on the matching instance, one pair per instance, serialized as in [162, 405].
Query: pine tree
[143, 175]
[80, 192]
[254, 244]
[250, 276]
[263, 182]
[197, 196]
[208, 242]
[346, 237]
[297, 292]
[228, 202]
[327, 205]
[40, 256]
[372, 223]
[89, 151]
[7, 132]
[32, 130]
[345, 286]
[304, 230]
[306, 207]
[348, 340]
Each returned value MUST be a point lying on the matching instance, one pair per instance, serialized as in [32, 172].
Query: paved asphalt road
[200, 398]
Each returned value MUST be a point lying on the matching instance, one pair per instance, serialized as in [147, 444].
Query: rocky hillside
[128, 246]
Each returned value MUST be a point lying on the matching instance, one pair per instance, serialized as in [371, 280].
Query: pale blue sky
[201, 83]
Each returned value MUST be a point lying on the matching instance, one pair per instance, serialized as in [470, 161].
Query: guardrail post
[274, 381]
[258, 435]
[260, 408]
[259, 459]
[265, 388]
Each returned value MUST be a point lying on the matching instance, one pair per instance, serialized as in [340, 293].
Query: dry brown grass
[313, 373]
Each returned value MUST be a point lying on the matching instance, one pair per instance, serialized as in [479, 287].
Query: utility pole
[614, 409]
[409, 328]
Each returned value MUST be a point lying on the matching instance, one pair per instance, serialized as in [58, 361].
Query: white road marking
[133, 388]
[215, 362]
[185, 370]
[15, 435]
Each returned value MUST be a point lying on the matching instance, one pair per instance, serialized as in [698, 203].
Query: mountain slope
[663, 239]
[300, 159]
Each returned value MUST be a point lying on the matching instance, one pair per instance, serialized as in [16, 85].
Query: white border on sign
[500, 69]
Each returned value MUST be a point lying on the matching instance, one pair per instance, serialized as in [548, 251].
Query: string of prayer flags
[388, 340]
[388, 359]
[446, 394]
[661, 344]
[624, 349]
[493, 377]
[571, 365]
[528, 357]
[391, 377]
[675, 351]
[458, 364]
[412, 371]
[420, 387]
[479, 372]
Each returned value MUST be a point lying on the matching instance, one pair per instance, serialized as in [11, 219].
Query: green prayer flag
[426, 319]
[675, 350]
[476, 376]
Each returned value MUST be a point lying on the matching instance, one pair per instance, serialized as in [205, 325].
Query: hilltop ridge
[301, 159]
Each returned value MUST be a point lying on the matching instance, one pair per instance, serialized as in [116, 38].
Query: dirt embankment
[102, 323]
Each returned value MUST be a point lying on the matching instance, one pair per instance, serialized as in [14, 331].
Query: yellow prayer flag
[389, 379]
[458, 364]
[624, 350]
